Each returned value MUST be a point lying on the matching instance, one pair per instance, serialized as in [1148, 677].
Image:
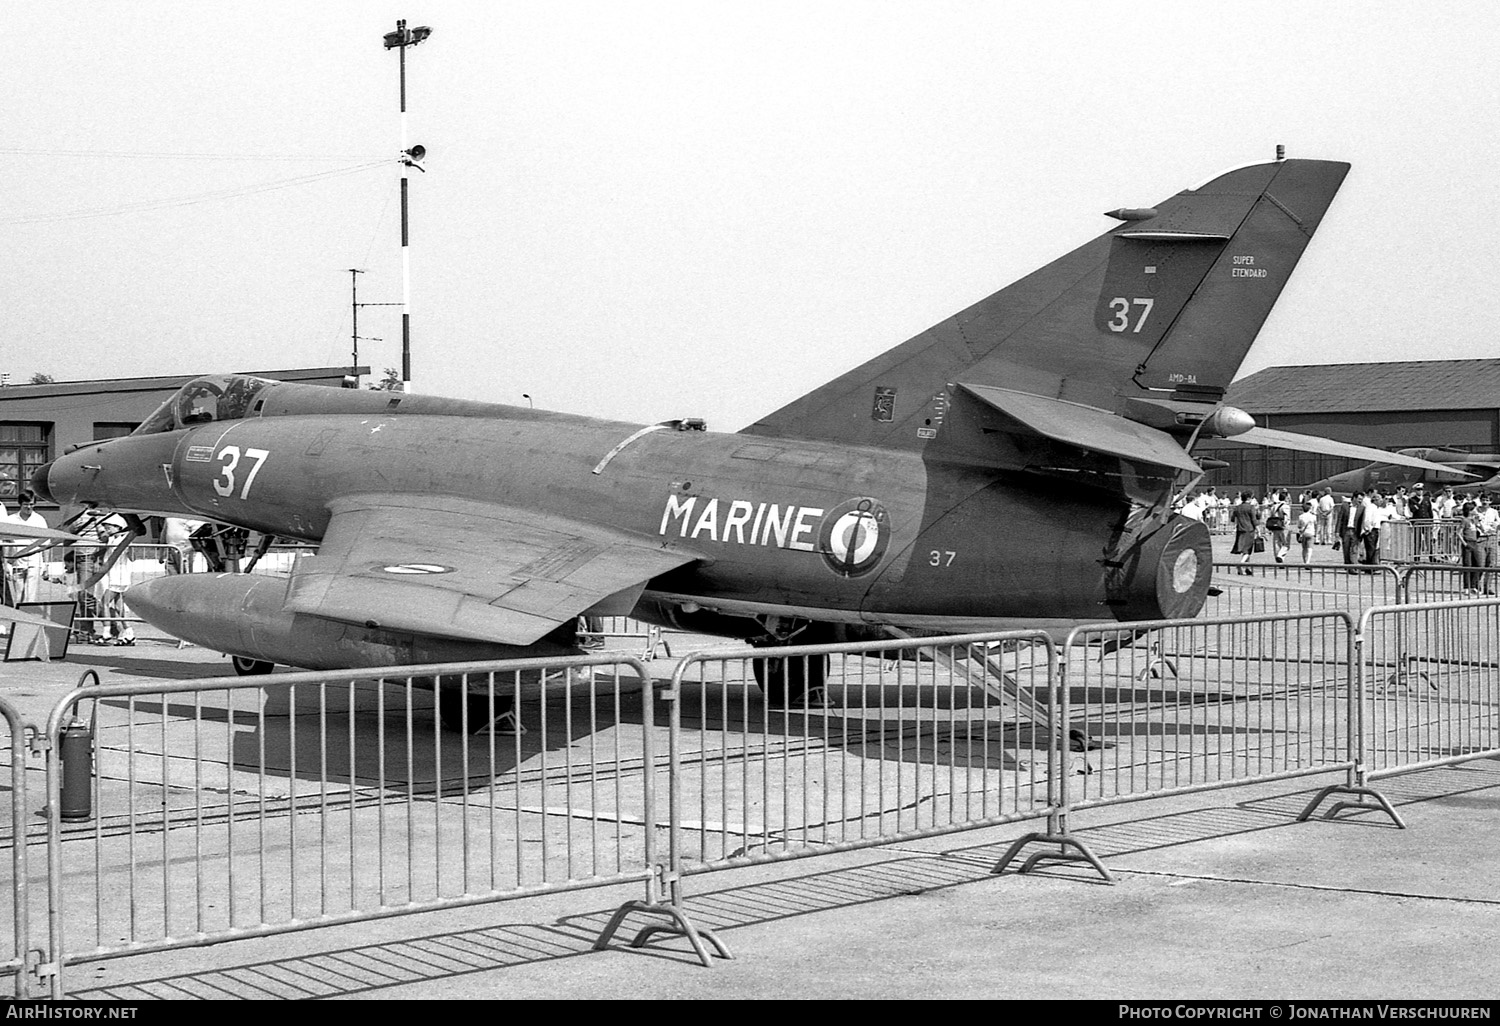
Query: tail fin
[1168, 303]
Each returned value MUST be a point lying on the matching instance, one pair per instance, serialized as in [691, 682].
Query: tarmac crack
[1373, 892]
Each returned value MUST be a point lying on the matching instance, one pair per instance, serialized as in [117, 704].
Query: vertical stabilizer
[1168, 303]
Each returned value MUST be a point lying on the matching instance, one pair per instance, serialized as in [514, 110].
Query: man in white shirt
[1442, 506]
[1377, 512]
[1325, 517]
[178, 533]
[25, 573]
[1307, 529]
[1489, 529]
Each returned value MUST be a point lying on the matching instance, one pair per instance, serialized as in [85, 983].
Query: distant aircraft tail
[1164, 307]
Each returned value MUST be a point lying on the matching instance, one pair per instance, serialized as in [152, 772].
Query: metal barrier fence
[1169, 707]
[1420, 541]
[1274, 588]
[15, 951]
[1442, 582]
[1430, 683]
[237, 807]
[895, 740]
[226, 807]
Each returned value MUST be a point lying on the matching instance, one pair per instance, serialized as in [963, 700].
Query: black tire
[790, 682]
[452, 699]
[247, 667]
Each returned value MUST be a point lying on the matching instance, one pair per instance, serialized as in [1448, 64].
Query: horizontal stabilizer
[1087, 427]
[1274, 439]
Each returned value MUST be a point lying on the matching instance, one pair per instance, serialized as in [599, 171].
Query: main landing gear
[793, 682]
[247, 667]
[454, 701]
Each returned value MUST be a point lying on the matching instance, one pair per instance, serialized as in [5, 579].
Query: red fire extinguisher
[76, 750]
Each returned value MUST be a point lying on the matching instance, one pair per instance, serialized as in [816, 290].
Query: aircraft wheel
[247, 667]
[794, 682]
[452, 700]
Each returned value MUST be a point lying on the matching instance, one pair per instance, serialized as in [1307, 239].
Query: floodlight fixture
[406, 37]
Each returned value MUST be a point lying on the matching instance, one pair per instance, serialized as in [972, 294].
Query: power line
[222, 194]
[147, 155]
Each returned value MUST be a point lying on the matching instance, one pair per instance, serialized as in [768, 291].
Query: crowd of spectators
[92, 580]
[1275, 522]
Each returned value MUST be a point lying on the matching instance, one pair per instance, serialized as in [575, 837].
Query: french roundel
[854, 537]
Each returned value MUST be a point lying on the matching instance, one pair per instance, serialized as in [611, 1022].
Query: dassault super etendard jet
[1011, 466]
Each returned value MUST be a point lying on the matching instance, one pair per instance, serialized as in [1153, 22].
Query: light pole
[529, 403]
[399, 40]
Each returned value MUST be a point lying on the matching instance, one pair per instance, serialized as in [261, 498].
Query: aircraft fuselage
[844, 533]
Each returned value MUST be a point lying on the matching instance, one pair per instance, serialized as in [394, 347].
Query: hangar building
[1450, 404]
[41, 422]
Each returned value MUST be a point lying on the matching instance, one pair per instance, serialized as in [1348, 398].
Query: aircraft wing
[1274, 439]
[464, 569]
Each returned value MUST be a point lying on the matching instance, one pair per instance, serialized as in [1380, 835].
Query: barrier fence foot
[1063, 842]
[681, 926]
[1360, 794]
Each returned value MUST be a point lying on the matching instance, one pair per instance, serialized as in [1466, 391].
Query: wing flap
[459, 568]
[1087, 427]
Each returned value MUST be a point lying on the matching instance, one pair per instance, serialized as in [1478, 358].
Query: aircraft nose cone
[39, 483]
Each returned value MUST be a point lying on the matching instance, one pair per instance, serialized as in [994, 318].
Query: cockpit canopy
[202, 400]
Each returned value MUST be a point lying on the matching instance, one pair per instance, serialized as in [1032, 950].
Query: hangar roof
[160, 384]
[1370, 387]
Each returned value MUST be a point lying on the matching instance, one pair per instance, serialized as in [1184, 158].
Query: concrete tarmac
[1220, 895]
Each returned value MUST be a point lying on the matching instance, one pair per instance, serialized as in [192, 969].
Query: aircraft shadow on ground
[887, 717]
[381, 737]
[368, 746]
[98, 659]
[889, 723]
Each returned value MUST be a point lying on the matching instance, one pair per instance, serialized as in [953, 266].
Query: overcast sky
[645, 210]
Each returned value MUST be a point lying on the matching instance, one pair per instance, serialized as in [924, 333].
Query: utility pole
[399, 40]
[354, 305]
[354, 273]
